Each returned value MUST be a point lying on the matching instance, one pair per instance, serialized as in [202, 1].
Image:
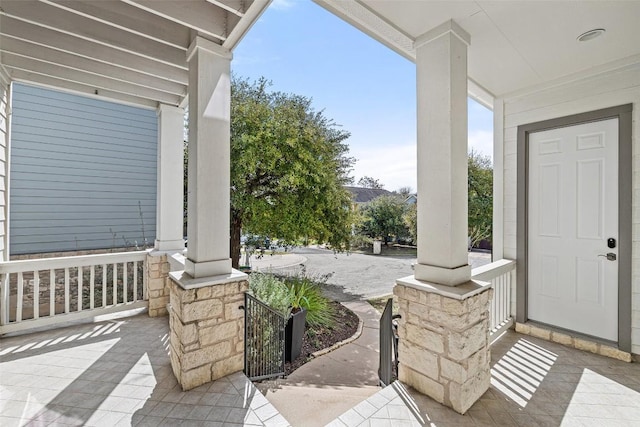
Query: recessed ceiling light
[591, 34]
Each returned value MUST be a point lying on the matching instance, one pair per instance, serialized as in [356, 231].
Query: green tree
[410, 219]
[288, 168]
[480, 197]
[369, 182]
[383, 218]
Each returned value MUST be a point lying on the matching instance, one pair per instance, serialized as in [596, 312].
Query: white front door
[573, 211]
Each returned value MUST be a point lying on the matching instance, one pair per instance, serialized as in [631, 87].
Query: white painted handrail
[501, 274]
[75, 287]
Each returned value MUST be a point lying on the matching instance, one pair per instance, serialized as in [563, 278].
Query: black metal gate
[263, 340]
[388, 371]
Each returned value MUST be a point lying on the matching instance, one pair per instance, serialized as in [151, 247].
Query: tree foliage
[480, 197]
[369, 182]
[288, 168]
[383, 218]
[410, 219]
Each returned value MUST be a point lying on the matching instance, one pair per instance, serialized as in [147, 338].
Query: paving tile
[351, 418]
[219, 414]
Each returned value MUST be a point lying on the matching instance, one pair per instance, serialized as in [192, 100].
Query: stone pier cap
[460, 292]
[186, 281]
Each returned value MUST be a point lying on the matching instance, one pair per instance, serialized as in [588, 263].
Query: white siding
[611, 89]
[83, 173]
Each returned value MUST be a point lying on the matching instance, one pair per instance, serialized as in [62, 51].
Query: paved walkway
[324, 388]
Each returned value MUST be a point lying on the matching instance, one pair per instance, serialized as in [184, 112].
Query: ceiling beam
[59, 20]
[45, 54]
[199, 15]
[55, 83]
[125, 17]
[32, 33]
[98, 82]
[253, 12]
[235, 7]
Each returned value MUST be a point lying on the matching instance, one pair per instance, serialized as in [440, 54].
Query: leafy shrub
[272, 291]
[305, 291]
[287, 293]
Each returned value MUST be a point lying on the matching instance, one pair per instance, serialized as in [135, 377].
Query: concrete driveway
[356, 276]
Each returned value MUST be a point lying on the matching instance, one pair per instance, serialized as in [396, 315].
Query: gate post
[207, 327]
[444, 340]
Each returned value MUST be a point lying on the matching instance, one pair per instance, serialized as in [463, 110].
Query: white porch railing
[501, 274]
[41, 292]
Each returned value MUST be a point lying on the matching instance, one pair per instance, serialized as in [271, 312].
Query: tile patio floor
[115, 373]
[534, 383]
[118, 373]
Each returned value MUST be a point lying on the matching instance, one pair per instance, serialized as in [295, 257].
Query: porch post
[170, 195]
[441, 61]
[209, 160]
[444, 326]
[205, 315]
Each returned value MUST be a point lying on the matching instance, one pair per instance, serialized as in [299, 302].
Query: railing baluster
[125, 295]
[27, 287]
[135, 280]
[92, 283]
[115, 284]
[4, 310]
[79, 308]
[104, 285]
[52, 292]
[66, 290]
[36, 294]
[19, 297]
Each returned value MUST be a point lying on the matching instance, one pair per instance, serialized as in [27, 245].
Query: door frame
[625, 193]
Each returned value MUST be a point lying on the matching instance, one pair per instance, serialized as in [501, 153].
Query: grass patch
[380, 303]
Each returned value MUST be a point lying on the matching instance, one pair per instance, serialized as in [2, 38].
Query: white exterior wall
[5, 105]
[610, 89]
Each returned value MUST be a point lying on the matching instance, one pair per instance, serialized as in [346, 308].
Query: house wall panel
[609, 89]
[83, 173]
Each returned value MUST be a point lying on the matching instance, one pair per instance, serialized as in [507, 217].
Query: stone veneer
[573, 342]
[444, 342]
[207, 329]
[157, 275]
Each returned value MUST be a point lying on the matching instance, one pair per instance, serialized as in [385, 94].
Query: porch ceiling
[515, 45]
[129, 50]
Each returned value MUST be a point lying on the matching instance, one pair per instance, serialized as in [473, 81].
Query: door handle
[610, 256]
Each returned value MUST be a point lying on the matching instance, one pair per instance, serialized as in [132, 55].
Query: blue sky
[359, 83]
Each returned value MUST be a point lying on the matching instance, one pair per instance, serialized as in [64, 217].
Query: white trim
[82, 89]
[200, 43]
[249, 18]
[367, 21]
[479, 94]
[575, 77]
[498, 179]
[70, 261]
[448, 27]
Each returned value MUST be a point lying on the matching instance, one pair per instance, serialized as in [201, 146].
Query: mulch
[315, 339]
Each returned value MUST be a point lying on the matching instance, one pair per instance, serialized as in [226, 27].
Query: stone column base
[444, 348]
[207, 327]
[157, 272]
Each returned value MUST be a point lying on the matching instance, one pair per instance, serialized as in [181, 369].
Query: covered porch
[163, 56]
[119, 373]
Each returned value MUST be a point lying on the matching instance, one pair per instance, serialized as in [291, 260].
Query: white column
[441, 62]
[170, 196]
[209, 160]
